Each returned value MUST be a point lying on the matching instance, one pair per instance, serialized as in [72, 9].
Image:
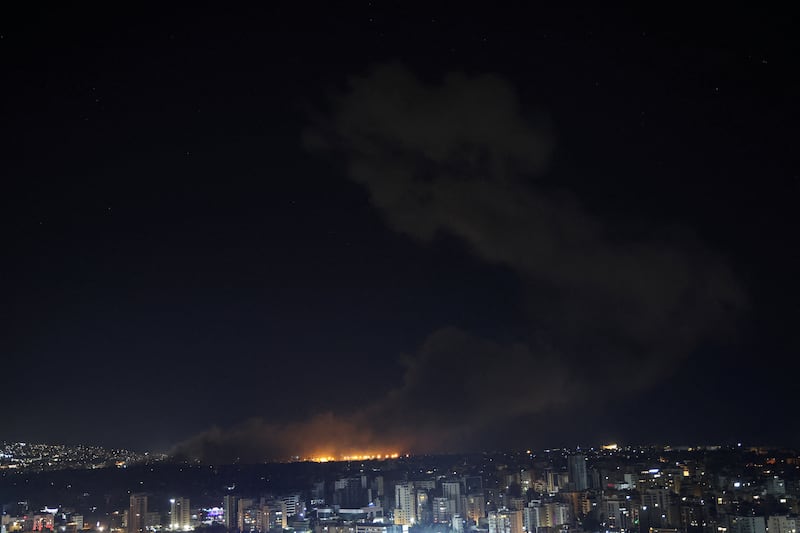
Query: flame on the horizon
[353, 457]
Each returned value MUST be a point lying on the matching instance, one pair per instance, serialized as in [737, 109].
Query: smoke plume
[459, 158]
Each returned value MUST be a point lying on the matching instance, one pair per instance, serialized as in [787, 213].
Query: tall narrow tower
[577, 471]
[404, 504]
[229, 512]
[180, 514]
[137, 514]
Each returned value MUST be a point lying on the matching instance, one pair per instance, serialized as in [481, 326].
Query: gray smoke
[459, 158]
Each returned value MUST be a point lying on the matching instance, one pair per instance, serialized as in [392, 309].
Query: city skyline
[629, 489]
[239, 235]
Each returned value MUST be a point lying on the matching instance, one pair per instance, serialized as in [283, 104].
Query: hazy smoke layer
[457, 158]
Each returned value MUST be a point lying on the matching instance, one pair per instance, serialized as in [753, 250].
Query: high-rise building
[515, 521]
[748, 524]
[618, 513]
[255, 516]
[441, 510]
[180, 516]
[424, 511]
[476, 508]
[577, 502]
[294, 505]
[152, 521]
[137, 513]
[284, 514]
[526, 479]
[577, 471]
[505, 521]
[452, 491]
[595, 479]
[782, 524]
[559, 513]
[496, 524]
[531, 517]
[350, 492]
[245, 515]
[545, 515]
[553, 481]
[263, 518]
[458, 524]
[656, 511]
[229, 512]
[404, 504]
[516, 504]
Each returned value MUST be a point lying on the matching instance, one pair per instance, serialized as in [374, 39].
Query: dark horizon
[244, 232]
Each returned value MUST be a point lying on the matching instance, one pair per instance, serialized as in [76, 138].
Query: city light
[430, 500]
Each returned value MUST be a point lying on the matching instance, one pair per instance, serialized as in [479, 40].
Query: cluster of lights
[357, 457]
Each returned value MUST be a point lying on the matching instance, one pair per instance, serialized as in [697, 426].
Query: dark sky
[283, 230]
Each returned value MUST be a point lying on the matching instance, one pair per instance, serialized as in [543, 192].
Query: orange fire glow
[353, 457]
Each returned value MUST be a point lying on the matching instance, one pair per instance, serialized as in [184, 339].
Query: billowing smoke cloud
[455, 385]
[458, 158]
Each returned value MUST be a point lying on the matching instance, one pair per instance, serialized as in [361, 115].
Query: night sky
[254, 233]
